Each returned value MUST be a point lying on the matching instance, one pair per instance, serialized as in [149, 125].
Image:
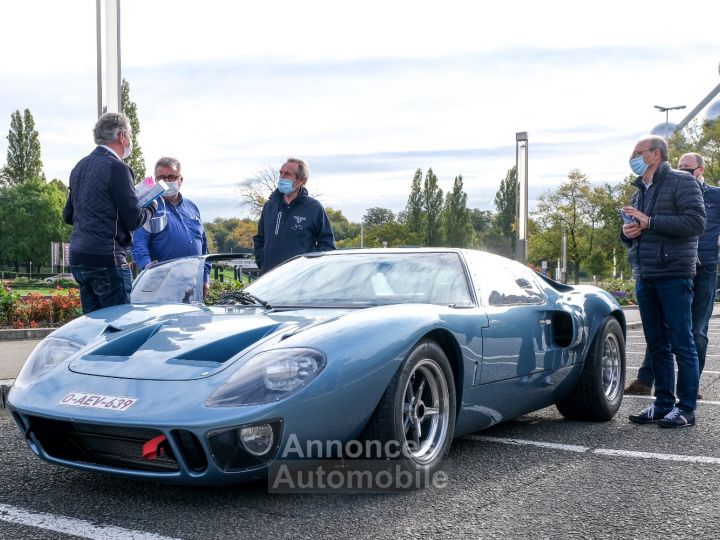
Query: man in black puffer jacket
[103, 209]
[668, 216]
[292, 223]
[705, 281]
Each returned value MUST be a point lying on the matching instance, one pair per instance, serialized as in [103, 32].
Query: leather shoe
[638, 388]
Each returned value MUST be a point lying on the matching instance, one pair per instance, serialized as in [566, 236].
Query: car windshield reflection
[366, 279]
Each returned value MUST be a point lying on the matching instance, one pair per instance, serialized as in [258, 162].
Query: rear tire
[417, 411]
[598, 393]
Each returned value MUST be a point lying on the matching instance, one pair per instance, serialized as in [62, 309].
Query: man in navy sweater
[103, 209]
[705, 280]
[292, 223]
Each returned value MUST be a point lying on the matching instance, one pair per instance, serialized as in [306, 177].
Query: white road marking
[703, 401]
[599, 451]
[705, 371]
[73, 527]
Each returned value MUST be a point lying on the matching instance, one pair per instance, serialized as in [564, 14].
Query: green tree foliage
[31, 218]
[392, 233]
[342, 228]
[23, 154]
[456, 217]
[378, 216]
[506, 212]
[432, 197]
[702, 138]
[136, 161]
[232, 235]
[414, 215]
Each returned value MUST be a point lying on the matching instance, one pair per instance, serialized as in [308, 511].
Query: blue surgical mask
[638, 165]
[285, 186]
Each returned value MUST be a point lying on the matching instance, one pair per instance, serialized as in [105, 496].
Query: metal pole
[362, 234]
[98, 46]
[564, 257]
[700, 106]
[112, 54]
[521, 165]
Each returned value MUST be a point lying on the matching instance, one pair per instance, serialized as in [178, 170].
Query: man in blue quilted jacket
[292, 223]
[667, 217]
[705, 281]
[103, 209]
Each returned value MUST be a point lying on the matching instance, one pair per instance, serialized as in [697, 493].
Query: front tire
[417, 410]
[598, 393]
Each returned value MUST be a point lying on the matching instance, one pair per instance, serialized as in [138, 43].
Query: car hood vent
[186, 347]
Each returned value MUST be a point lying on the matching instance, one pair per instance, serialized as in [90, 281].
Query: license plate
[98, 401]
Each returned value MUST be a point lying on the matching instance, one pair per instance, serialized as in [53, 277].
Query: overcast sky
[366, 92]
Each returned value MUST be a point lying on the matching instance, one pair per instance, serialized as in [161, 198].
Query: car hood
[185, 346]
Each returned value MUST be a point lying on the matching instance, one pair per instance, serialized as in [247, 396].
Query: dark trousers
[704, 290]
[102, 286]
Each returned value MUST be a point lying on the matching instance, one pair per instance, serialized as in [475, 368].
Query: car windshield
[172, 282]
[366, 279]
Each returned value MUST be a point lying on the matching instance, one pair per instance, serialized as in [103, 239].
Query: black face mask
[691, 171]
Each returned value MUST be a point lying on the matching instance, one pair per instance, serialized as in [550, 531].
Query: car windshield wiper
[245, 298]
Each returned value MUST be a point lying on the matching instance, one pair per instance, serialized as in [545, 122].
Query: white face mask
[127, 150]
[172, 190]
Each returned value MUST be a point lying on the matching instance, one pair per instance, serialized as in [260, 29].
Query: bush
[34, 310]
[623, 290]
[219, 287]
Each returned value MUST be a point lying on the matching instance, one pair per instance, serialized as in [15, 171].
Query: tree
[231, 235]
[31, 218]
[432, 197]
[23, 154]
[342, 228]
[702, 138]
[378, 216]
[456, 217]
[255, 191]
[506, 210]
[393, 233]
[136, 161]
[414, 217]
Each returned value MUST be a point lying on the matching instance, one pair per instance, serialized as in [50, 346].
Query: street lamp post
[668, 131]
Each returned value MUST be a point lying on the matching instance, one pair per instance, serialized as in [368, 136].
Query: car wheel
[416, 415]
[598, 393]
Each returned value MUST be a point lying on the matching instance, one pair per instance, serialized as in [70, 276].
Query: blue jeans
[102, 286]
[704, 287]
[665, 310]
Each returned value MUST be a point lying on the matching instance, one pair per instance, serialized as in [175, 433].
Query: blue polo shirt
[183, 236]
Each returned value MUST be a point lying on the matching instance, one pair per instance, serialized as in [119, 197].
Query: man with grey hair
[705, 280]
[663, 223]
[103, 209]
[176, 230]
[292, 223]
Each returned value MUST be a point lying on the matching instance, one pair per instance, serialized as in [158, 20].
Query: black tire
[598, 393]
[417, 411]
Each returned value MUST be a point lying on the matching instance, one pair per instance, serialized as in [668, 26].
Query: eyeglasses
[170, 177]
[689, 170]
[641, 152]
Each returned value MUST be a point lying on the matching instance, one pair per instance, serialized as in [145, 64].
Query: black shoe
[677, 418]
[649, 416]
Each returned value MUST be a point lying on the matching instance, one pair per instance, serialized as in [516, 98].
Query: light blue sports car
[412, 346]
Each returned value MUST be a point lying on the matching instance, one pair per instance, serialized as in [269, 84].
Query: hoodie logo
[298, 223]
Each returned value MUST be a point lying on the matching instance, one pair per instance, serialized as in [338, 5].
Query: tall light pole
[668, 131]
[521, 163]
[112, 54]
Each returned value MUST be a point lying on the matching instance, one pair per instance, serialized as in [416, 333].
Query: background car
[405, 346]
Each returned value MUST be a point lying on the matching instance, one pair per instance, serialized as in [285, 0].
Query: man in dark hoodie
[103, 209]
[292, 223]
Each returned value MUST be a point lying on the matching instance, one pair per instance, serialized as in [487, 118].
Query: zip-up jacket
[708, 244]
[668, 249]
[287, 230]
[103, 209]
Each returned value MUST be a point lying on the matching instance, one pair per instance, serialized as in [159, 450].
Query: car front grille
[116, 446]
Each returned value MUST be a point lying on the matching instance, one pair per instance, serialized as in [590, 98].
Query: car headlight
[269, 376]
[48, 354]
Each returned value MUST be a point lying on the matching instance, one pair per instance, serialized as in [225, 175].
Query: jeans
[665, 310]
[102, 286]
[704, 287]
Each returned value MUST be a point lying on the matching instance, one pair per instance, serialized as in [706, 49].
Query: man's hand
[633, 230]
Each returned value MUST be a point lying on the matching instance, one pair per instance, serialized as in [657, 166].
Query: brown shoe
[638, 388]
[700, 396]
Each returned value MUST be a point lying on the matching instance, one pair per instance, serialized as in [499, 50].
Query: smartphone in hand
[627, 218]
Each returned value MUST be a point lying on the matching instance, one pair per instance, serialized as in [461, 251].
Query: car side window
[501, 282]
